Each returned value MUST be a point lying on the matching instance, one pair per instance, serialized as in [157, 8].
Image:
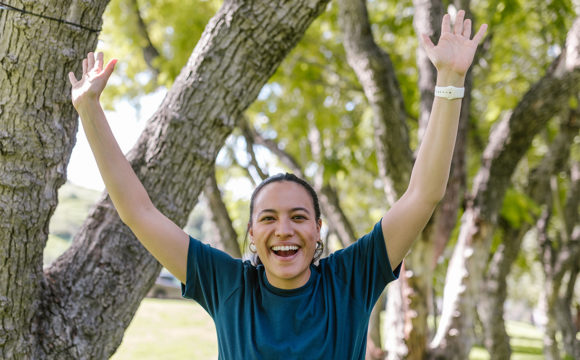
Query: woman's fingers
[446, 24]
[91, 59]
[85, 66]
[100, 59]
[72, 78]
[427, 43]
[109, 68]
[458, 27]
[480, 34]
[467, 29]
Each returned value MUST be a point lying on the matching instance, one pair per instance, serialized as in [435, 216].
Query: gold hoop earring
[253, 248]
[319, 249]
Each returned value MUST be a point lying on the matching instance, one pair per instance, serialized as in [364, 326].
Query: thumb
[427, 43]
[109, 68]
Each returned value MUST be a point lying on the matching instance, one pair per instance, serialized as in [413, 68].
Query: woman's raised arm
[160, 236]
[452, 57]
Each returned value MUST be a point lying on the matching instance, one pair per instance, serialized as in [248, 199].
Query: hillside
[74, 203]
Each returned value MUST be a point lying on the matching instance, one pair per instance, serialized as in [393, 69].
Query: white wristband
[449, 92]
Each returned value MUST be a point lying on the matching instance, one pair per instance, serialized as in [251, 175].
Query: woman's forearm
[431, 170]
[125, 189]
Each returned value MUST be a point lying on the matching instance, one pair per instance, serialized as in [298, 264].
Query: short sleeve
[211, 275]
[364, 266]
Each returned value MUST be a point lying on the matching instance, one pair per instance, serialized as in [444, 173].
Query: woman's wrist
[450, 78]
[87, 105]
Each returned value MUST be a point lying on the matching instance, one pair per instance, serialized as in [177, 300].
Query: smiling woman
[284, 229]
[285, 305]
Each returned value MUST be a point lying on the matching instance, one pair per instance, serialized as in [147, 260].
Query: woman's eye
[299, 217]
[267, 218]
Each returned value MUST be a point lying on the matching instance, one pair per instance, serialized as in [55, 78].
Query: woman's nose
[284, 227]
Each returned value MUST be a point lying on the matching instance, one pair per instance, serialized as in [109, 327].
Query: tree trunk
[395, 322]
[490, 307]
[374, 349]
[37, 132]
[549, 294]
[565, 318]
[375, 72]
[86, 299]
[559, 254]
[224, 235]
[150, 53]
[508, 143]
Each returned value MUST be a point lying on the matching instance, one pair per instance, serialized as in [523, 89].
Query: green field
[525, 340]
[169, 329]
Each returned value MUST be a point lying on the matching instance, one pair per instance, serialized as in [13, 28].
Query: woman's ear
[250, 231]
[319, 224]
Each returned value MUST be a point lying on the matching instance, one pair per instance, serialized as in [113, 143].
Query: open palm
[455, 50]
[94, 78]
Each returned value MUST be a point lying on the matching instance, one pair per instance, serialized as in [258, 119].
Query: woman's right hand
[93, 81]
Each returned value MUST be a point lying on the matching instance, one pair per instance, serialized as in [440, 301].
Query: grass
[525, 341]
[169, 329]
[74, 203]
[55, 246]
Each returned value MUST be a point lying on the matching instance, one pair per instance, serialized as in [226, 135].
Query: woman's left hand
[455, 50]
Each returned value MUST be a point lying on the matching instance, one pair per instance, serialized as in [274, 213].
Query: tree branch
[249, 136]
[150, 52]
[376, 74]
[225, 234]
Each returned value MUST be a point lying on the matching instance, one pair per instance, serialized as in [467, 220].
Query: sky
[126, 123]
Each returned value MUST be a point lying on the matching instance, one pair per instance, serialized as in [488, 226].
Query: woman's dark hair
[278, 178]
[286, 177]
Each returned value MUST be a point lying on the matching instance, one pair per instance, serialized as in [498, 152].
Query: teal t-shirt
[327, 318]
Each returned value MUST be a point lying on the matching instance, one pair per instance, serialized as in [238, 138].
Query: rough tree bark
[490, 307]
[37, 132]
[80, 307]
[507, 144]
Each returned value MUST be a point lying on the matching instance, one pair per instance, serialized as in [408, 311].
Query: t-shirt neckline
[288, 292]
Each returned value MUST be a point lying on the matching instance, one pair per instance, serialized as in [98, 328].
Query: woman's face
[285, 231]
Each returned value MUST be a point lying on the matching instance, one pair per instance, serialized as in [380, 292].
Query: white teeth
[285, 248]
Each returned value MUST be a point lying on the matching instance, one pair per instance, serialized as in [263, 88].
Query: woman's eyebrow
[300, 209]
[267, 211]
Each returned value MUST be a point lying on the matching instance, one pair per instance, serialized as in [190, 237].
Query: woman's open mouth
[285, 250]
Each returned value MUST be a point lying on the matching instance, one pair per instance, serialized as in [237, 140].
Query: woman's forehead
[283, 195]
